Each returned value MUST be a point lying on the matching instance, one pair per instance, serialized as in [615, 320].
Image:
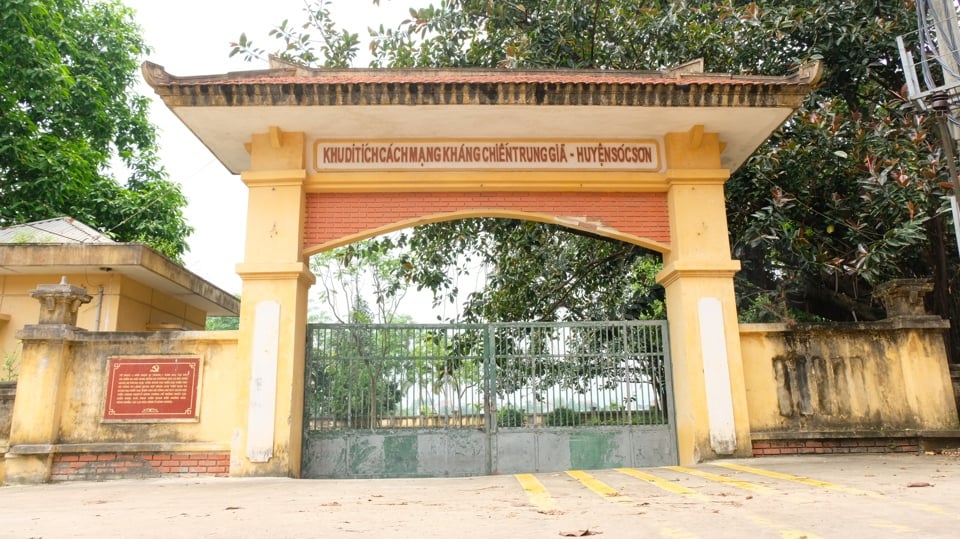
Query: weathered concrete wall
[73, 442]
[465, 452]
[844, 380]
[8, 392]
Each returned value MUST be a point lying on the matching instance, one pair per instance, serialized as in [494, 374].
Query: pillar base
[27, 468]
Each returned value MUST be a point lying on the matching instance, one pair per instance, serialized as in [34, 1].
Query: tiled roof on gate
[288, 84]
[368, 76]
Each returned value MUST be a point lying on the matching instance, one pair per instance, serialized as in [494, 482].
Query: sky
[191, 37]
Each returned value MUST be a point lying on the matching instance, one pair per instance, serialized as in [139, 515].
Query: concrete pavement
[845, 496]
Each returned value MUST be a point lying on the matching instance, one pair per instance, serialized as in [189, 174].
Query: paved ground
[792, 497]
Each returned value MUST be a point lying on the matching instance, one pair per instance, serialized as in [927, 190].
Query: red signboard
[152, 388]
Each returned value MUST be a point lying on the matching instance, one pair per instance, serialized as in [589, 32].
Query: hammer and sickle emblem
[155, 368]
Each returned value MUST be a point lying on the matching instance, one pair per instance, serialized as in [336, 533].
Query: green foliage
[24, 236]
[352, 376]
[332, 47]
[562, 417]
[11, 365]
[510, 417]
[346, 274]
[67, 109]
[620, 417]
[536, 272]
[217, 323]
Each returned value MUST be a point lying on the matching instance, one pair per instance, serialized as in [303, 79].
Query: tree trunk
[944, 301]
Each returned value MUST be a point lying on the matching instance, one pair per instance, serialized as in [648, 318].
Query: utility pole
[946, 32]
[939, 69]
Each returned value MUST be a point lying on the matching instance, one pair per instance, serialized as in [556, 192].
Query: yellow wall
[126, 306]
[61, 396]
[85, 385]
[882, 376]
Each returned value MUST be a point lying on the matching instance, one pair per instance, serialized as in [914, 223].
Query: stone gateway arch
[334, 156]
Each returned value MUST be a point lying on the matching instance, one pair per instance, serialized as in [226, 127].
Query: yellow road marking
[721, 479]
[832, 486]
[796, 479]
[536, 492]
[930, 508]
[785, 532]
[892, 526]
[677, 533]
[598, 487]
[657, 482]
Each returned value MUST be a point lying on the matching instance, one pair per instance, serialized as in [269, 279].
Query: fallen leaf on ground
[919, 484]
[580, 533]
[550, 511]
[232, 508]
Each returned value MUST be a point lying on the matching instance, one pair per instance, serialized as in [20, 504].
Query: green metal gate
[416, 400]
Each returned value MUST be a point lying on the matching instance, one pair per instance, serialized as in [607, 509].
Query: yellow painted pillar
[35, 424]
[708, 383]
[273, 312]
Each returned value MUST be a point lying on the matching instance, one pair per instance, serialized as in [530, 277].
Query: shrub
[510, 417]
[562, 417]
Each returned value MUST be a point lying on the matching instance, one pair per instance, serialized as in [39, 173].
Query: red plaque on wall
[161, 388]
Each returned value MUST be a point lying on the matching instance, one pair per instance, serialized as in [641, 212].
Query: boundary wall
[874, 387]
[57, 431]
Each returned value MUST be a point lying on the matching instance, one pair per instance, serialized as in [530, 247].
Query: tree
[68, 110]
[328, 46]
[221, 323]
[352, 375]
[850, 193]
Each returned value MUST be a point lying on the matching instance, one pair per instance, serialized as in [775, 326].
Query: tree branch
[593, 32]
[584, 271]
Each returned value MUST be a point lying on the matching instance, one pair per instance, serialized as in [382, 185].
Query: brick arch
[335, 219]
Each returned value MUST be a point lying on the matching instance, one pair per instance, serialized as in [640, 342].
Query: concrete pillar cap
[59, 303]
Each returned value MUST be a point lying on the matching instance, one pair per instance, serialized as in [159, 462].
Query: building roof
[65, 246]
[57, 230]
[223, 110]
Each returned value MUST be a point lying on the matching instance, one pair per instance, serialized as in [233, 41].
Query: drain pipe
[99, 308]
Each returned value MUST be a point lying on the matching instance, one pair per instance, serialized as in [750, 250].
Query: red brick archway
[335, 219]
